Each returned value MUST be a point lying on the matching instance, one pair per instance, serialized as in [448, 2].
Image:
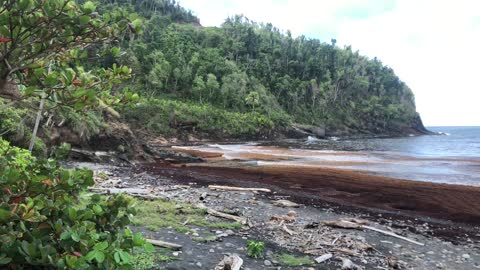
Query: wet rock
[267, 263]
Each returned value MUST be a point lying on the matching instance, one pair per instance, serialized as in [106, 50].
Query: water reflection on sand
[451, 170]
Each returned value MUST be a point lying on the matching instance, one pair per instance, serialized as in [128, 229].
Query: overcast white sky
[433, 45]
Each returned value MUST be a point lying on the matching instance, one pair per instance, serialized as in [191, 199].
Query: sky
[433, 45]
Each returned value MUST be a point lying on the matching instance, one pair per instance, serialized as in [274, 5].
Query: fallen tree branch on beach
[393, 235]
[230, 188]
[213, 212]
[164, 244]
[287, 230]
[345, 224]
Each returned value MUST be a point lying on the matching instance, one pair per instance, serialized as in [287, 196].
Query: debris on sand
[230, 188]
[291, 216]
[323, 258]
[286, 203]
[230, 262]
[352, 224]
[347, 264]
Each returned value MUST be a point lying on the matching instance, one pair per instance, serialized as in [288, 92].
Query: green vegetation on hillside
[244, 67]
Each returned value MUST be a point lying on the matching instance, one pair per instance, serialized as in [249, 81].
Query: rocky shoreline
[305, 237]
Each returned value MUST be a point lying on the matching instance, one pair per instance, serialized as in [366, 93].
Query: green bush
[255, 248]
[166, 117]
[43, 225]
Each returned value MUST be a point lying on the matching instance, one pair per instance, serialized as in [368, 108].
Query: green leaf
[116, 257]
[39, 72]
[65, 235]
[138, 239]
[75, 237]
[4, 215]
[100, 256]
[79, 93]
[4, 31]
[71, 260]
[124, 256]
[97, 209]
[72, 213]
[84, 19]
[91, 255]
[149, 247]
[115, 51]
[4, 259]
[89, 7]
[30, 90]
[51, 79]
[101, 246]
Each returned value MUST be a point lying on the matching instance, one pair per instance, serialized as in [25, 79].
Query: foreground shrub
[43, 225]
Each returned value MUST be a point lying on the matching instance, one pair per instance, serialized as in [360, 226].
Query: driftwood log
[229, 188]
[241, 220]
[164, 244]
[348, 224]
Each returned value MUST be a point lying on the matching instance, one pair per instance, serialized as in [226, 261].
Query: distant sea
[453, 158]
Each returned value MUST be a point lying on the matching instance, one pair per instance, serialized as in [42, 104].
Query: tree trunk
[37, 123]
[9, 89]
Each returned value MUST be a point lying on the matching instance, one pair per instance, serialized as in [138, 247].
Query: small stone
[430, 253]
[323, 258]
[229, 245]
[348, 265]
[229, 232]
[175, 254]
[211, 250]
[199, 264]
[465, 256]
[218, 232]
[267, 263]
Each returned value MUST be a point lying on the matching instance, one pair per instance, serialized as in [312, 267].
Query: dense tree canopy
[243, 65]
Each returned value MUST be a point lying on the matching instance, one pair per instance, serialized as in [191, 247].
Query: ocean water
[453, 158]
[462, 142]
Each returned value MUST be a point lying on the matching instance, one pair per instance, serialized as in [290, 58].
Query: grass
[169, 214]
[148, 261]
[292, 260]
[206, 238]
